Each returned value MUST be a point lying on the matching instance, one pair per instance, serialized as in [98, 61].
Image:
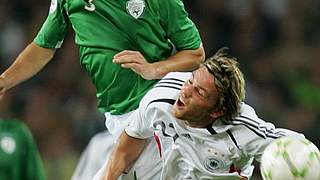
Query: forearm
[29, 62]
[124, 154]
[184, 60]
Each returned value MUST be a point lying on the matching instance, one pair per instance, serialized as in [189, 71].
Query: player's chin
[176, 111]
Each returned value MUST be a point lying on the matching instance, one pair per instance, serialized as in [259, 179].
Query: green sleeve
[33, 164]
[181, 31]
[54, 29]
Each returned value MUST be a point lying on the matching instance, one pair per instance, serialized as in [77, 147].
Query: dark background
[277, 43]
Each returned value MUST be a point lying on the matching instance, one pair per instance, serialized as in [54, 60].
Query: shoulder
[248, 126]
[167, 89]
[164, 94]
[163, 5]
[178, 75]
[13, 125]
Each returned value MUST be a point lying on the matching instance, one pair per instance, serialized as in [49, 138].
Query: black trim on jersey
[255, 124]
[232, 138]
[253, 130]
[169, 101]
[169, 82]
[210, 129]
[174, 79]
[172, 87]
[175, 137]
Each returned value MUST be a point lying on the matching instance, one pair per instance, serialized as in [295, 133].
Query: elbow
[199, 55]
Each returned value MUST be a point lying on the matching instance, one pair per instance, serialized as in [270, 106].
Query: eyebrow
[201, 88]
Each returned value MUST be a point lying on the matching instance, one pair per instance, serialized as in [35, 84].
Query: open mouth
[179, 102]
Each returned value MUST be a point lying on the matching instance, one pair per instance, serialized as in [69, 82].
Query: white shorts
[147, 166]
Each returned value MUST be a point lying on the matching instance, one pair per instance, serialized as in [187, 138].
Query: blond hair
[229, 81]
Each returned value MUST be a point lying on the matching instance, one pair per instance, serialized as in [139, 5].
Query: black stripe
[173, 79]
[170, 101]
[249, 120]
[168, 82]
[175, 137]
[232, 138]
[210, 129]
[172, 87]
[255, 124]
[257, 133]
[265, 134]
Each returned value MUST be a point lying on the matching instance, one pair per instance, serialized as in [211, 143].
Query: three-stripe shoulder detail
[168, 101]
[256, 127]
[172, 83]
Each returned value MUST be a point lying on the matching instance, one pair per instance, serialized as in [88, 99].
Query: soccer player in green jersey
[125, 46]
[19, 156]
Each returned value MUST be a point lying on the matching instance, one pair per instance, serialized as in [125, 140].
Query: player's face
[198, 97]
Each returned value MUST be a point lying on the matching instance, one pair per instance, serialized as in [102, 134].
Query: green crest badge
[135, 8]
[89, 5]
[7, 144]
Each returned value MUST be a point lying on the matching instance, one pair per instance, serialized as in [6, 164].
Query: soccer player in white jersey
[201, 126]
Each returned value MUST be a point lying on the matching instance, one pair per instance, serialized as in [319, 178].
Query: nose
[186, 90]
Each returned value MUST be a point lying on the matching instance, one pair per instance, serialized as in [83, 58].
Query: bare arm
[29, 62]
[184, 60]
[124, 154]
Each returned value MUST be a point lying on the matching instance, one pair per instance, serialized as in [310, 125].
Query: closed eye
[200, 92]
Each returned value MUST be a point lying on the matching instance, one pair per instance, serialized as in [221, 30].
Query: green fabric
[19, 157]
[109, 29]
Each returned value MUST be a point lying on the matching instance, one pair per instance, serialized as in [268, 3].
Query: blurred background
[277, 43]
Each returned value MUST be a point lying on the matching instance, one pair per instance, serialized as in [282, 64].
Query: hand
[135, 61]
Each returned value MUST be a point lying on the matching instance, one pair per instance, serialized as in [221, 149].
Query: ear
[217, 114]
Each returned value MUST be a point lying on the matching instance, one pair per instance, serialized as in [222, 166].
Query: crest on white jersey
[212, 163]
[135, 8]
[53, 6]
[7, 144]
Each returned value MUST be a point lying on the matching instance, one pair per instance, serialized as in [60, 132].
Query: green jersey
[105, 27]
[19, 157]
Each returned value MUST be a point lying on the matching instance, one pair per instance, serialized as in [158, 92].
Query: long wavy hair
[229, 81]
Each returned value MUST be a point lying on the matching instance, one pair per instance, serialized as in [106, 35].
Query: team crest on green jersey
[135, 8]
[89, 5]
[7, 144]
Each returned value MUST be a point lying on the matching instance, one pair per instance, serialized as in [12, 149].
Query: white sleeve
[140, 126]
[254, 134]
[154, 106]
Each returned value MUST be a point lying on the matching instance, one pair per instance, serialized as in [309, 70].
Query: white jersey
[93, 157]
[219, 151]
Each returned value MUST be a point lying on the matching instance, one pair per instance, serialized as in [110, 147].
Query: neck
[200, 124]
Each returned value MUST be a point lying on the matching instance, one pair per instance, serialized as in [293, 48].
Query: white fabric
[93, 157]
[116, 123]
[146, 167]
[198, 153]
[100, 146]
